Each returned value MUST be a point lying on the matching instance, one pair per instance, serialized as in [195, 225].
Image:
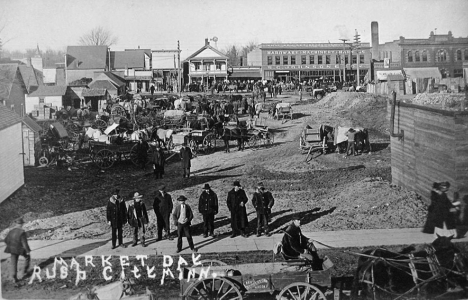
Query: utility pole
[343, 60]
[357, 46]
[179, 77]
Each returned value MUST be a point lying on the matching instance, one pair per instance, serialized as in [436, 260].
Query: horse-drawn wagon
[315, 139]
[293, 279]
[283, 110]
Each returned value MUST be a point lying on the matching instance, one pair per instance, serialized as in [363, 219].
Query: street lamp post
[343, 60]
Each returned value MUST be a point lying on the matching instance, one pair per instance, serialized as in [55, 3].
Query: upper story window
[410, 56]
[285, 60]
[277, 60]
[320, 59]
[303, 60]
[312, 59]
[466, 54]
[459, 55]
[327, 59]
[354, 59]
[337, 59]
[361, 58]
[269, 60]
[441, 55]
[197, 65]
[424, 55]
[346, 58]
[416, 56]
[293, 60]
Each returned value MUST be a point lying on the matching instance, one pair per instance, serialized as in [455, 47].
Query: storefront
[312, 61]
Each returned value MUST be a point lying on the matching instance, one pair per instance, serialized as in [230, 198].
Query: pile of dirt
[446, 101]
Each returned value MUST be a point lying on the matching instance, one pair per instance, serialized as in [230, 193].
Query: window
[441, 55]
[312, 59]
[197, 65]
[466, 54]
[293, 60]
[277, 60]
[285, 60]
[361, 58]
[320, 59]
[410, 56]
[458, 72]
[337, 59]
[346, 58]
[327, 59]
[424, 55]
[416, 56]
[459, 56]
[354, 59]
[41, 100]
[303, 60]
[269, 60]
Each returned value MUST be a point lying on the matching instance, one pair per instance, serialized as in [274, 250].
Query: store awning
[246, 74]
[382, 75]
[422, 72]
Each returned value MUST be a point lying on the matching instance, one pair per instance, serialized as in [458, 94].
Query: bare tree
[98, 36]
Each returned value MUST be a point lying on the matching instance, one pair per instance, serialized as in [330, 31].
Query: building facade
[311, 61]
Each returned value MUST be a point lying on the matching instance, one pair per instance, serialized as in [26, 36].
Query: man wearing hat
[138, 218]
[208, 207]
[158, 159]
[186, 156]
[236, 201]
[183, 216]
[17, 244]
[116, 217]
[162, 206]
[261, 203]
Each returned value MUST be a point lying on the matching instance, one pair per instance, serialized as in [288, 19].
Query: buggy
[315, 140]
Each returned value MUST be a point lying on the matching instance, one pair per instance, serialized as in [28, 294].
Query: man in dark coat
[162, 206]
[138, 219]
[271, 201]
[183, 216]
[142, 153]
[116, 217]
[158, 160]
[17, 244]
[441, 212]
[260, 202]
[236, 201]
[186, 156]
[296, 245]
[208, 207]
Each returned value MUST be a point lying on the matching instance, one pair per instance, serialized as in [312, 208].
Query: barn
[11, 153]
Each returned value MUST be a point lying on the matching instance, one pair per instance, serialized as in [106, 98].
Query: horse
[361, 139]
[234, 134]
[383, 274]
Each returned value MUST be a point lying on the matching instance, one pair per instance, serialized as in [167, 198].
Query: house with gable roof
[206, 66]
[12, 88]
[114, 84]
[134, 65]
[85, 62]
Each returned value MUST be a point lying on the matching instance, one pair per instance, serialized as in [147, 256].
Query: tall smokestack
[206, 42]
[375, 40]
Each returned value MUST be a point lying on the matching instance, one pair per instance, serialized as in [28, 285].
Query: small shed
[96, 98]
[31, 141]
[11, 153]
[419, 80]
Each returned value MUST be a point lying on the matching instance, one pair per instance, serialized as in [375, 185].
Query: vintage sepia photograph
[233, 149]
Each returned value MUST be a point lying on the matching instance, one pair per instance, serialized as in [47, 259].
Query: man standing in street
[183, 216]
[158, 159]
[271, 201]
[17, 244]
[350, 134]
[152, 89]
[236, 201]
[186, 156]
[260, 202]
[116, 217]
[138, 219]
[208, 207]
[162, 206]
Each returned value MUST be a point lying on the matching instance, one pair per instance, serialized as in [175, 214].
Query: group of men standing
[135, 214]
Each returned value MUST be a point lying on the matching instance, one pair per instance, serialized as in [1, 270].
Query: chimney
[207, 42]
[375, 40]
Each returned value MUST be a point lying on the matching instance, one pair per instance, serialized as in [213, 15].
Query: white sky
[158, 24]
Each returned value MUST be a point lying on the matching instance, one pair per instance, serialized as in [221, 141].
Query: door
[26, 148]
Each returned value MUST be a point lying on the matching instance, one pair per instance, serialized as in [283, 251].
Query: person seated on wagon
[297, 246]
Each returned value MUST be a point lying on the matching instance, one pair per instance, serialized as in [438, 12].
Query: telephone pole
[357, 46]
[179, 76]
[343, 60]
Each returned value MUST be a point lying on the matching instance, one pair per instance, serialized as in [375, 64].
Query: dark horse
[361, 139]
[383, 274]
[238, 134]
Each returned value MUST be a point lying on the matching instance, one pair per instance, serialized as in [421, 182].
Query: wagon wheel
[268, 139]
[210, 263]
[104, 159]
[301, 290]
[209, 143]
[194, 147]
[118, 110]
[213, 288]
[253, 142]
[134, 155]
[43, 161]
[100, 124]
[319, 96]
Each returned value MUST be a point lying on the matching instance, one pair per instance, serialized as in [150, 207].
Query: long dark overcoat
[117, 213]
[233, 203]
[208, 203]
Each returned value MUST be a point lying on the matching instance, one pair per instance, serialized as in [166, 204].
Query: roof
[102, 84]
[394, 75]
[49, 90]
[7, 77]
[246, 73]
[29, 77]
[86, 57]
[8, 117]
[31, 124]
[115, 79]
[93, 92]
[127, 59]
[207, 47]
[423, 72]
